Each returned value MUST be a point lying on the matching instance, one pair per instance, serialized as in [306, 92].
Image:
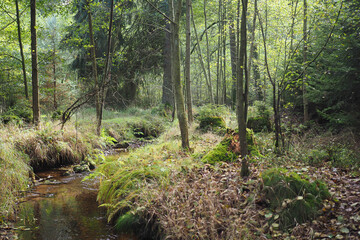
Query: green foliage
[211, 110]
[21, 112]
[294, 197]
[127, 223]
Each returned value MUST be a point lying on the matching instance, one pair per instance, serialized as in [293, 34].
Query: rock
[81, 168]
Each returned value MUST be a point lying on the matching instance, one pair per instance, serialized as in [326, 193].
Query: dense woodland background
[297, 52]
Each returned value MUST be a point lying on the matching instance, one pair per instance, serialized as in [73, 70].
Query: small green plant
[294, 198]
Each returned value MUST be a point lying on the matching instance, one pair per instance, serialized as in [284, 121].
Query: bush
[17, 114]
[293, 197]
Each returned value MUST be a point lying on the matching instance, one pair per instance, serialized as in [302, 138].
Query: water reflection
[64, 208]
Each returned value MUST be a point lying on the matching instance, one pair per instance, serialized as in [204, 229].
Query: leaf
[268, 215]
[344, 230]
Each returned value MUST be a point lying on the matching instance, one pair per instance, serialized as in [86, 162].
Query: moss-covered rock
[259, 124]
[228, 149]
[221, 153]
[293, 197]
[213, 123]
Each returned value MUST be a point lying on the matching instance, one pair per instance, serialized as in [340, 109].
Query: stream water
[63, 207]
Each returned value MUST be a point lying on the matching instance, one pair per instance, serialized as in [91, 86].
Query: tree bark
[94, 65]
[106, 77]
[208, 83]
[167, 88]
[207, 53]
[241, 100]
[35, 79]
[176, 75]
[233, 56]
[305, 100]
[21, 50]
[187, 63]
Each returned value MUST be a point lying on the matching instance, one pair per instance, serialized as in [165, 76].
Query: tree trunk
[305, 100]
[21, 50]
[176, 75]
[106, 77]
[208, 53]
[94, 65]
[54, 75]
[240, 92]
[167, 89]
[208, 83]
[187, 63]
[233, 56]
[35, 80]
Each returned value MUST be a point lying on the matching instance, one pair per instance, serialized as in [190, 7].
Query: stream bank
[63, 207]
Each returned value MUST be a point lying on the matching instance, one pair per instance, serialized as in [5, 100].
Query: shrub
[294, 198]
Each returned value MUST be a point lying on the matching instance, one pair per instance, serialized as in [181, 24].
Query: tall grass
[23, 150]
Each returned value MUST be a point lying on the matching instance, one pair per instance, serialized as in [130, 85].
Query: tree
[35, 80]
[176, 75]
[21, 50]
[187, 63]
[94, 67]
[241, 82]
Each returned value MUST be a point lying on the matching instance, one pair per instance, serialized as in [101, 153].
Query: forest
[179, 119]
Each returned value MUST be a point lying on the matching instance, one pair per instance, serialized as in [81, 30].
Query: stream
[63, 207]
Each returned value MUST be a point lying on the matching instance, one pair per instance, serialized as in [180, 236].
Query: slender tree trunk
[252, 45]
[233, 55]
[207, 52]
[176, 75]
[35, 79]
[305, 100]
[224, 58]
[21, 50]
[54, 75]
[187, 63]
[94, 65]
[208, 83]
[167, 90]
[106, 77]
[241, 100]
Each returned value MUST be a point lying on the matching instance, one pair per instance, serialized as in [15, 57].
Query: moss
[259, 124]
[212, 123]
[220, 153]
[229, 149]
[252, 146]
[293, 196]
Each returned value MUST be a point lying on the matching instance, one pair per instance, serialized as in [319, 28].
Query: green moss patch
[259, 124]
[293, 197]
[228, 149]
[212, 123]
